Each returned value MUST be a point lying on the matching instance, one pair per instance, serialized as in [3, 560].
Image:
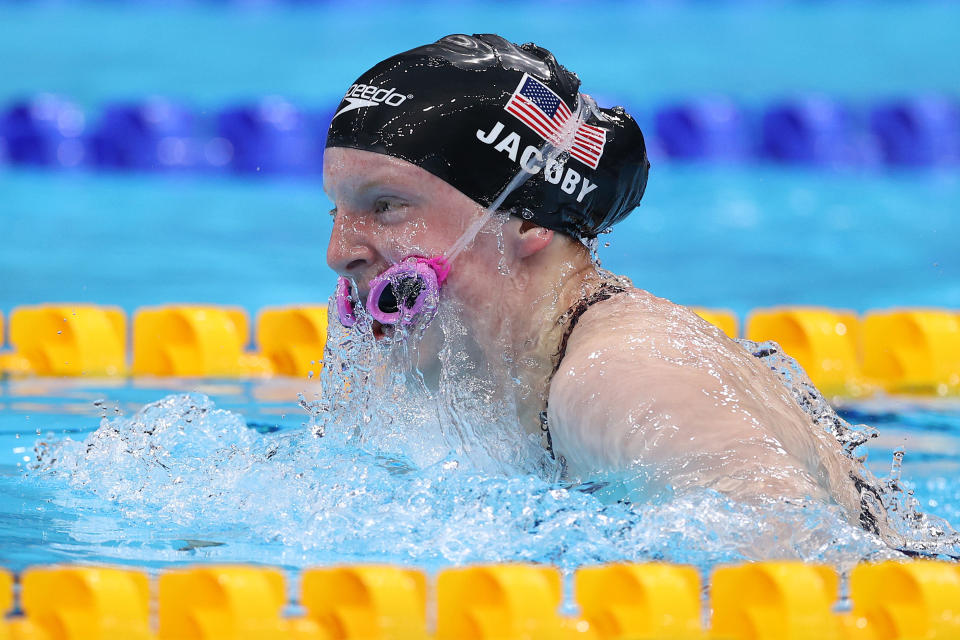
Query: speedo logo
[368, 95]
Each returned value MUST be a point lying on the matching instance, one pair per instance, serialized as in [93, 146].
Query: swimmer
[424, 148]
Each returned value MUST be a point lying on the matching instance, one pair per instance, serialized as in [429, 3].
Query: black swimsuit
[570, 319]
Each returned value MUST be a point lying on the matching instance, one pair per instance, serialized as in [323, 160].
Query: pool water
[740, 236]
[727, 237]
[237, 472]
[211, 53]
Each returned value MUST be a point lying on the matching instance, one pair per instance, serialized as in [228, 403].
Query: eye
[384, 205]
[389, 207]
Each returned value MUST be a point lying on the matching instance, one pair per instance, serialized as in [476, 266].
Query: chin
[424, 353]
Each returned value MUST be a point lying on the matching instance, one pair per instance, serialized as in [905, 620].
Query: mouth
[378, 328]
[381, 331]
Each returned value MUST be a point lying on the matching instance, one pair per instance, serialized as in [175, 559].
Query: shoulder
[645, 381]
[634, 361]
[640, 326]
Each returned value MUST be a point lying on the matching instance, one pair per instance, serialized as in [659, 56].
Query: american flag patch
[538, 107]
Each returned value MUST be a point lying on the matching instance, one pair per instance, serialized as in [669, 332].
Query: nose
[349, 252]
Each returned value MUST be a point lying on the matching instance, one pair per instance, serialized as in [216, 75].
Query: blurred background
[804, 152]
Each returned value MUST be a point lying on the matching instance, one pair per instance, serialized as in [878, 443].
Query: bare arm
[651, 385]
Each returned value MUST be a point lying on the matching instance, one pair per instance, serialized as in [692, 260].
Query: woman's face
[387, 209]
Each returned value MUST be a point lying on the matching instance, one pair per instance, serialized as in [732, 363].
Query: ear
[528, 239]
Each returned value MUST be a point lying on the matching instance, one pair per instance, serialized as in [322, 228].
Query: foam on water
[883, 502]
[182, 479]
[386, 471]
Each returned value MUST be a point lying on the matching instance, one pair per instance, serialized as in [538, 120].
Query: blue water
[642, 53]
[243, 478]
[736, 238]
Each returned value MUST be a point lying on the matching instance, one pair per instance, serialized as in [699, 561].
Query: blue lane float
[274, 137]
[271, 137]
[810, 131]
[44, 131]
[713, 128]
[155, 135]
[918, 132]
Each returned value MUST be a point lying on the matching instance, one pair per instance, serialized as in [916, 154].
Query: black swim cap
[473, 110]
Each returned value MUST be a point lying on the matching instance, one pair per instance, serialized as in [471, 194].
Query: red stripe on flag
[589, 135]
[586, 131]
[595, 141]
[587, 142]
[587, 150]
[536, 113]
[587, 161]
[531, 119]
[580, 152]
[524, 119]
[545, 128]
[582, 156]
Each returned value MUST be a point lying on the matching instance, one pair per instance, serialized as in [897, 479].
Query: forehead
[351, 172]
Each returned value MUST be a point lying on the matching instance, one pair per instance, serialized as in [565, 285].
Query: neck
[511, 333]
[555, 279]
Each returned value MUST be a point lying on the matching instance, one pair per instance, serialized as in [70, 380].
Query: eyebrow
[375, 182]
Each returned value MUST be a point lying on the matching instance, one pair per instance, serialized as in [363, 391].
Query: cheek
[417, 239]
[477, 283]
[393, 242]
[486, 265]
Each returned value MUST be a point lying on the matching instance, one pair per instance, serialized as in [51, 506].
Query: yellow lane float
[67, 340]
[823, 341]
[902, 351]
[194, 341]
[759, 601]
[726, 320]
[293, 339]
[913, 350]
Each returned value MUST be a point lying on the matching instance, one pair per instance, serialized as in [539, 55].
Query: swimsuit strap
[570, 319]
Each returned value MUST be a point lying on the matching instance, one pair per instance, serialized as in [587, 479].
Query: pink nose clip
[402, 294]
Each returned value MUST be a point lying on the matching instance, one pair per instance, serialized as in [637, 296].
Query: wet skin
[387, 209]
[644, 382]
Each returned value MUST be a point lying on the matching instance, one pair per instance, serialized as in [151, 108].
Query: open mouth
[381, 330]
